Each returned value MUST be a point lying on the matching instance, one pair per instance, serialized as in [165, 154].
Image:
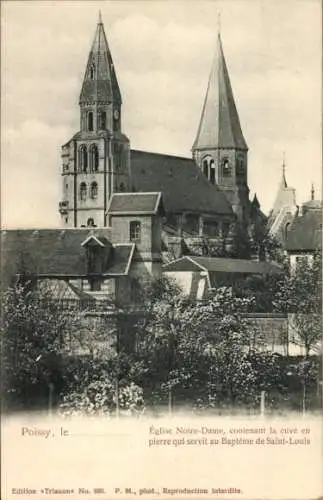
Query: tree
[300, 296]
[238, 242]
[201, 350]
[35, 332]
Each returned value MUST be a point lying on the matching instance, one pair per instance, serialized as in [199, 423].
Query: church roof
[183, 186]
[134, 203]
[100, 80]
[305, 233]
[57, 253]
[219, 124]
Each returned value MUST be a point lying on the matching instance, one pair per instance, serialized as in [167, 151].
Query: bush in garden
[99, 398]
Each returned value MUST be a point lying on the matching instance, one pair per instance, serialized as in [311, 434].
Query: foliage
[300, 294]
[240, 245]
[34, 333]
[99, 398]
[201, 350]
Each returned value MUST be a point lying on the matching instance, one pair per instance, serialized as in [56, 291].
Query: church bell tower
[96, 161]
[220, 149]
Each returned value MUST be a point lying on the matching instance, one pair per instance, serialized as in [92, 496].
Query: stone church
[205, 195]
[127, 214]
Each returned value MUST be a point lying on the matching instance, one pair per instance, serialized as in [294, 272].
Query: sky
[162, 52]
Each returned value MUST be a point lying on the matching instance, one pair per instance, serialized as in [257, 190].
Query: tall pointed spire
[284, 182]
[100, 80]
[219, 125]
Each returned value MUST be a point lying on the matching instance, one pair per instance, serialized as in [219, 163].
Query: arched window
[94, 158]
[212, 172]
[102, 120]
[90, 222]
[226, 168]
[90, 121]
[94, 190]
[206, 168]
[83, 158]
[240, 167]
[122, 187]
[92, 71]
[286, 230]
[135, 231]
[83, 191]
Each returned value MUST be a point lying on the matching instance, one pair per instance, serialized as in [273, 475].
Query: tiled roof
[134, 203]
[305, 232]
[121, 259]
[62, 290]
[223, 265]
[184, 187]
[55, 253]
[219, 124]
[104, 85]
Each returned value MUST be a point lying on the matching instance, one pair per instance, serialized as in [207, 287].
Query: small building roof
[223, 265]
[305, 233]
[134, 203]
[121, 259]
[58, 253]
[183, 186]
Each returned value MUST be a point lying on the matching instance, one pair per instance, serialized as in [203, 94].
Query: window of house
[90, 121]
[226, 168]
[94, 190]
[135, 231]
[192, 224]
[94, 158]
[83, 158]
[102, 120]
[95, 284]
[225, 228]
[83, 191]
[211, 228]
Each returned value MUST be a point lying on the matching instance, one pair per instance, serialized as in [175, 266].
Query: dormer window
[90, 121]
[135, 231]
